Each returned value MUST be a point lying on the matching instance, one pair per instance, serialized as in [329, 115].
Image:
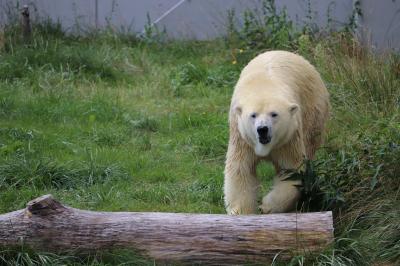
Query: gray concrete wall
[380, 23]
[207, 19]
[130, 16]
[74, 15]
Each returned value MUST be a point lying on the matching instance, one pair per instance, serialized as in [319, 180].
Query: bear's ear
[293, 108]
[236, 108]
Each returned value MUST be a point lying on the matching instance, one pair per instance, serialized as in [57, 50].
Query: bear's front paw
[266, 208]
[239, 210]
[235, 210]
[282, 198]
[272, 203]
[232, 211]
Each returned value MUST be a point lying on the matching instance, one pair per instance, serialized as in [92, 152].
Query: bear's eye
[253, 115]
[273, 114]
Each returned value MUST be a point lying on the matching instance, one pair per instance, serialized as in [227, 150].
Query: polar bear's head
[266, 123]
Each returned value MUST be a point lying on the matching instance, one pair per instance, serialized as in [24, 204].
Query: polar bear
[278, 113]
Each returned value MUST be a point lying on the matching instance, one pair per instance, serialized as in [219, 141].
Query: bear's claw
[265, 208]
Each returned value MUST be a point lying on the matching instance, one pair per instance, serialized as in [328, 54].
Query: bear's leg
[285, 193]
[240, 182]
[240, 194]
[283, 197]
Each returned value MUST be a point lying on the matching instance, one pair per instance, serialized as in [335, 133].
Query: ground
[120, 125]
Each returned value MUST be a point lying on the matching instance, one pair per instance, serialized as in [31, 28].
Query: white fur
[283, 196]
[283, 92]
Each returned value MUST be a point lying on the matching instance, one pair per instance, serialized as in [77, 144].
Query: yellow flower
[240, 51]
[234, 62]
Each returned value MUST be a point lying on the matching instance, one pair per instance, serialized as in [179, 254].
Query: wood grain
[47, 225]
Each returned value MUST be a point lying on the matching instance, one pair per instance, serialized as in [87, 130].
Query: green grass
[116, 124]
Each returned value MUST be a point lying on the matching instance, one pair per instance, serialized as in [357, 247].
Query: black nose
[263, 137]
[262, 131]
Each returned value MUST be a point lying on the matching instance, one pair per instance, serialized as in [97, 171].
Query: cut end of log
[44, 205]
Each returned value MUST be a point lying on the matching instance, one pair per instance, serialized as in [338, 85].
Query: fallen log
[47, 225]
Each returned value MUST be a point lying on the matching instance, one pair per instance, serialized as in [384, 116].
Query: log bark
[47, 225]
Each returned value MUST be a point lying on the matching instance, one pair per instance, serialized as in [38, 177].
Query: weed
[187, 74]
[264, 28]
[27, 257]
